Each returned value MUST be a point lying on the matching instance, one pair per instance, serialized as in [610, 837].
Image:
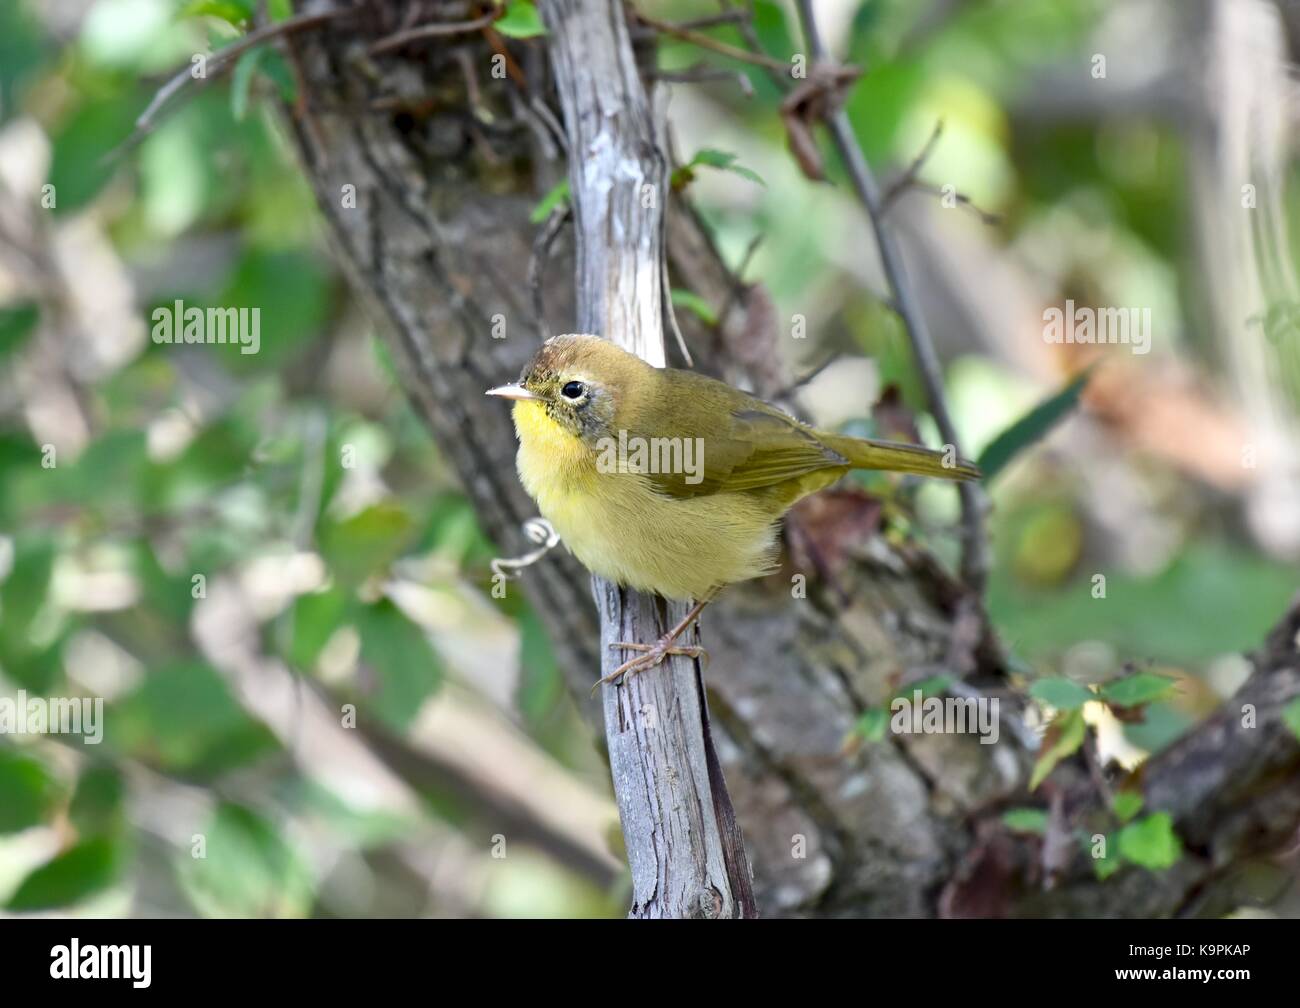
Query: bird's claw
[653, 655]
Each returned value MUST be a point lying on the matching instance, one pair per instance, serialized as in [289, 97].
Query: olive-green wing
[724, 440]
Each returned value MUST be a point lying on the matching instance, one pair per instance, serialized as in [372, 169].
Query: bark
[685, 852]
[447, 163]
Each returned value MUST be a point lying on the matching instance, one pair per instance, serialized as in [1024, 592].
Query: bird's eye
[573, 390]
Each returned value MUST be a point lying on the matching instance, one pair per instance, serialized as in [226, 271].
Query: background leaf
[76, 874]
[1061, 693]
[1030, 428]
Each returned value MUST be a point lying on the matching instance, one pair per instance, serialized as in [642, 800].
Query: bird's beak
[511, 392]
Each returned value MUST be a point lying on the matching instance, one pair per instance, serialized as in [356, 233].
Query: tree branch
[682, 842]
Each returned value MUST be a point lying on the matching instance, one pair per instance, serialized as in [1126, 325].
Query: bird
[672, 482]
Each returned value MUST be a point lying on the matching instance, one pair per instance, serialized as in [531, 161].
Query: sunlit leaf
[872, 723]
[1151, 842]
[559, 193]
[1140, 688]
[520, 20]
[235, 12]
[696, 304]
[246, 869]
[1063, 738]
[1026, 820]
[1061, 693]
[1126, 805]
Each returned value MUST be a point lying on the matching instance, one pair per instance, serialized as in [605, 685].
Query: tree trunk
[447, 162]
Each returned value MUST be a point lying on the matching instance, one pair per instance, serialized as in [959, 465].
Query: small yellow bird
[668, 481]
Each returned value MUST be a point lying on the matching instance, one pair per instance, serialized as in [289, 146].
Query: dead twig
[537, 262]
[217, 64]
[974, 561]
[709, 42]
[895, 188]
[909, 180]
[701, 72]
[436, 29]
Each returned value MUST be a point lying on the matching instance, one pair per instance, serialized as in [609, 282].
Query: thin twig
[537, 261]
[738, 284]
[909, 180]
[974, 561]
[729, 16]
[702, 72]
[799, 383]
[904, 180]
[436, 29]
[709, 42]
[961, 199]
[217, 63]
[750, 35]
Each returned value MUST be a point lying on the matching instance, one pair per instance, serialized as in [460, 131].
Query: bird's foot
[654, 654]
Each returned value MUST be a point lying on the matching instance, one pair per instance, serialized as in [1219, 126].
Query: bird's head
[578, 383]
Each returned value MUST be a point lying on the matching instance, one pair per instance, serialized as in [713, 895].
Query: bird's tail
[905, 458]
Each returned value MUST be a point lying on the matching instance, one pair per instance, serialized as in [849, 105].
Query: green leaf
[692, 301]
[1214, 598]
[710, 158]
[96, 127]
[183, 719]
[16, 324]
[367, 542]
[1141, 688]
[1291, 716]
[1061, 693]
[79, 872]
[275, 69]
[1031, 427]
[27, 792]
[1126, 805]
[241, 80]
[1064, 736]
[727, 162]
[23, 592]
[398, 651]
[559, 194]
[246, 869]
[25, 47]
[1105, 867]
[315, 618]
[292, 291]
[96, 807]
[1151, 842]
[1026, 820]
[932, 686]
[520, 20]
[871, 725]
[234, 12]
